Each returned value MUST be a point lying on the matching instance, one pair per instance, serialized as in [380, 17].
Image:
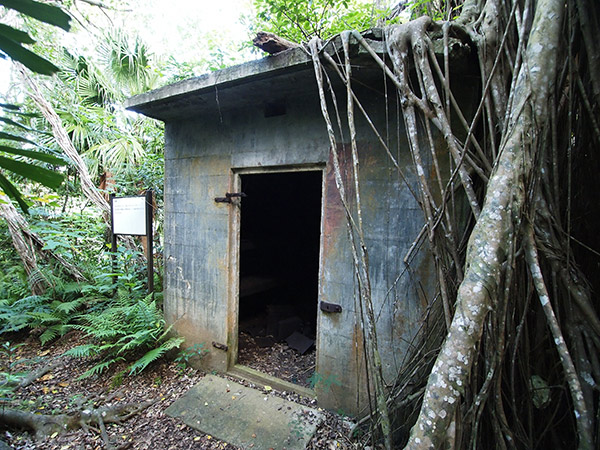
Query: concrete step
[245, 417]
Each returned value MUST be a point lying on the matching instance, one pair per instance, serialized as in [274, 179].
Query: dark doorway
[279, 265]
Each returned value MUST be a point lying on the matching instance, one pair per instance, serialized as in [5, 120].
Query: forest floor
[59, 391]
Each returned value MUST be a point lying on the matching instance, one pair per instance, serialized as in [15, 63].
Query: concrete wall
[201, 156]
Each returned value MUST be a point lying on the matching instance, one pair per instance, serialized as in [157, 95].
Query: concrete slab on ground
[245, 417]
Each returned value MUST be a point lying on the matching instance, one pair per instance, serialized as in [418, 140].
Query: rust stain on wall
[335, 216]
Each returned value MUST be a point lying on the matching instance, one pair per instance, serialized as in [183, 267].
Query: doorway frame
[235, 184]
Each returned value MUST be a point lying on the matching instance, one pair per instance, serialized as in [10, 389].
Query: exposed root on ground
[43, 425]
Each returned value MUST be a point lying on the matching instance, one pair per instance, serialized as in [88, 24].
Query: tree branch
[63, 140]
[43, 425]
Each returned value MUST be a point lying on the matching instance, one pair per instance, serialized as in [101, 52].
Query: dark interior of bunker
[279, 264]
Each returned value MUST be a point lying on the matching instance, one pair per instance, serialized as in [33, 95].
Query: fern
[20, 314]
[30, 302]
[99, 329]
[154, 354]
[70, 307]
[72, 288]
[136, 340]
[125, 327]
[41, 318]
[47, 312]
[51, 333]
[82, 351]
[99, 368]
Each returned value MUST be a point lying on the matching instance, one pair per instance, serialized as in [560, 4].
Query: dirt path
[59, 391]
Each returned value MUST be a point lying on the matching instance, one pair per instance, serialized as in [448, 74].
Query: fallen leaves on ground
[60, 391]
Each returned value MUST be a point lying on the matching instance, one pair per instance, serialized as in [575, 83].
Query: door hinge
[330, 307]
[220, 346]
[229, 196]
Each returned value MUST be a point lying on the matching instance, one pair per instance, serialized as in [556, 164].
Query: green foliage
[109, 139]
[154, 354]
[12, 43]
[90, 84]
[87, 306]
[130, 273]
[40, 174]
[300, 20]
[129, 60]
[88, 95]
[123, 328]
[40, 11]
[52, 315]
[185, 356]
[12, 39]
[16, 315]
[117, 153]
[149, 173]
[52, 312]
[77, 237]
[433, 9]
[36, 165]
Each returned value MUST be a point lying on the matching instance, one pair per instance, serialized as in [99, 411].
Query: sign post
[150, 236]
[133, 216]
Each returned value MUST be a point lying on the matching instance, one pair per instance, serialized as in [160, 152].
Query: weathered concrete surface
[277, 76]
[203, 155]
[220, 126]
[245, 417]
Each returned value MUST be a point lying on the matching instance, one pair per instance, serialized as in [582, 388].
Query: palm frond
[128, 58]
[117, 154]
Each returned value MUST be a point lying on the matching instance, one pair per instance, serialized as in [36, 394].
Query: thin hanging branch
[359, 249]
[582, 416]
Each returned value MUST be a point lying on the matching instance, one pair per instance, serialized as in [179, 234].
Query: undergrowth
[119, 320]
[125, 328]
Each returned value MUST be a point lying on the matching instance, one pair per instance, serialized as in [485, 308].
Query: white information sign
[129, 215]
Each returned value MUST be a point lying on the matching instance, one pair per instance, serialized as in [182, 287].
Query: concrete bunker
[258, 128]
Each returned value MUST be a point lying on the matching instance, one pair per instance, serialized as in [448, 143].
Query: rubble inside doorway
[278, 360]
[278, 339]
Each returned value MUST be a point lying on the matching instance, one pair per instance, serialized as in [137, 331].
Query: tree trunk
[496, 231]
[23, 243]
[63, 140]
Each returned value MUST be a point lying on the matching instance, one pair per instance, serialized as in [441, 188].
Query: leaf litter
[60, 391]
